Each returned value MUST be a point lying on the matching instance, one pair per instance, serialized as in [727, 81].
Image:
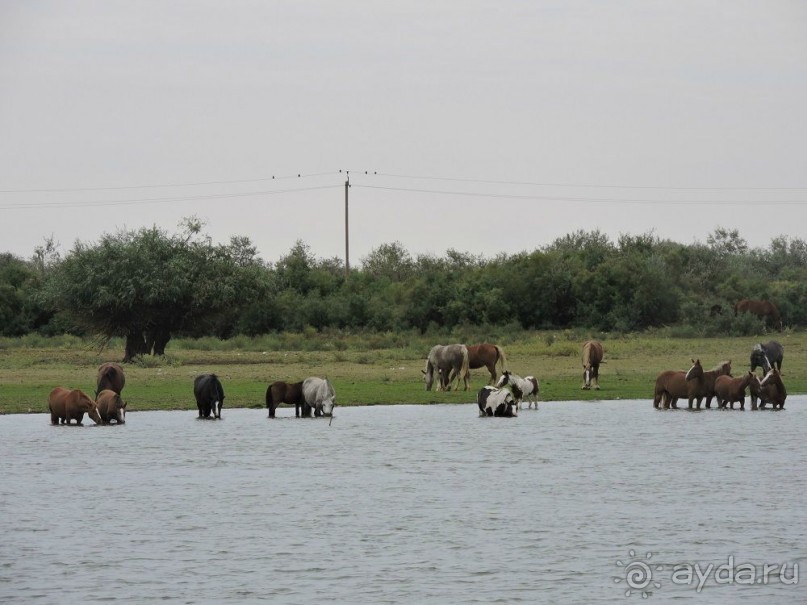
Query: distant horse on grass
[592, 358]
[764, 309]
[110, 376]
[286, 392]
[489, 356]
[450, 362]
[767, 355]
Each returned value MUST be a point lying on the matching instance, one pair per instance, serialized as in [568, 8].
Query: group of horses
[107, 407]
[311, 396]
[698, 386]
[452, 363]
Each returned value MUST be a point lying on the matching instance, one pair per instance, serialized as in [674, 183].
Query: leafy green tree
[146, 285]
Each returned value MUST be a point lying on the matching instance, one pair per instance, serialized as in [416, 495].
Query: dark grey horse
[450, 362]
[767, 356]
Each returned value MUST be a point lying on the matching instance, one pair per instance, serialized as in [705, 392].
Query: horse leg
[492, 370]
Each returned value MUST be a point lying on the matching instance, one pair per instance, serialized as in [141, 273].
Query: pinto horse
[764, 309]
[701, 385]
[592, 358]
[487, 355]
[671, 386]
[286, 392]
[526, 388]
[728, 389]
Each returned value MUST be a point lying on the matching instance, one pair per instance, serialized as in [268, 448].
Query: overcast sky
[491, 126]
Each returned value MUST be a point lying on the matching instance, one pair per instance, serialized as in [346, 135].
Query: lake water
[406, 504]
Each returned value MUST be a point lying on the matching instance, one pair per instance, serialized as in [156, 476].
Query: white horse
[318, 393]
[523, 388]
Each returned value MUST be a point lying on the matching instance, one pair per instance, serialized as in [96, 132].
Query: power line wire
[200, 183]
[582, 199]
[87, 204]
[583, 185]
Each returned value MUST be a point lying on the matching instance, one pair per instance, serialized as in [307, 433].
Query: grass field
[364, 369]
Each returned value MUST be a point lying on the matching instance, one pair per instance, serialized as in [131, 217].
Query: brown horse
[670, 387]
[286, 392]
[728, 389]
[764, 309]
[110, 376]
[592, 358]
[487, 355]
[71, 404]
[771, 390]
[701, 385]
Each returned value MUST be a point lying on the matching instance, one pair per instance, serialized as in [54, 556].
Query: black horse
[209, 395]
[767, 356]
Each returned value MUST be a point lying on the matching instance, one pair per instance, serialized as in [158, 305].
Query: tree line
[148, 286]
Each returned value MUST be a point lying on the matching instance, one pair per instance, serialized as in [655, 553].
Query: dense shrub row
[141, 282]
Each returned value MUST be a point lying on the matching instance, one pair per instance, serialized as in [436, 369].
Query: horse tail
[502, 359]
[465, 371]
[269, 398]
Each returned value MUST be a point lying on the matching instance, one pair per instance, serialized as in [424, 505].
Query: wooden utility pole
[347, 238]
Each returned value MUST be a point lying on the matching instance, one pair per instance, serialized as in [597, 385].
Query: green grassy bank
[372, 369]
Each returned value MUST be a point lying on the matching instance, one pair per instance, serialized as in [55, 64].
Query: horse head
[503, 380]
[696, 371]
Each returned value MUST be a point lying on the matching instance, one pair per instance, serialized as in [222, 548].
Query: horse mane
[720, 366]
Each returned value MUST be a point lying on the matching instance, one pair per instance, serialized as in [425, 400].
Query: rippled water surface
[403, 504]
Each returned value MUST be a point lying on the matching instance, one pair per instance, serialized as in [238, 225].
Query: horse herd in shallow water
[452, 363]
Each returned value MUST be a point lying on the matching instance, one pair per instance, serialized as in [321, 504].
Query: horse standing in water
[671, 386]
[764, 309]
[489, 356]
[450, 362]
[592, 358]
[701, 384]
[770, 389]
[522, 388]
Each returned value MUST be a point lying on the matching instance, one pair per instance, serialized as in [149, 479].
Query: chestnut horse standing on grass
[764, 309]
[592, 358]
[487, 355]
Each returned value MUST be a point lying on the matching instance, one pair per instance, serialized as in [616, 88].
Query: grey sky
[676, 94]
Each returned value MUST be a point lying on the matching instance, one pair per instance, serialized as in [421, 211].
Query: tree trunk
[161, 339]
[135, 345]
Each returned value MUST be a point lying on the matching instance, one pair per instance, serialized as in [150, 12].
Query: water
[402, 504]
